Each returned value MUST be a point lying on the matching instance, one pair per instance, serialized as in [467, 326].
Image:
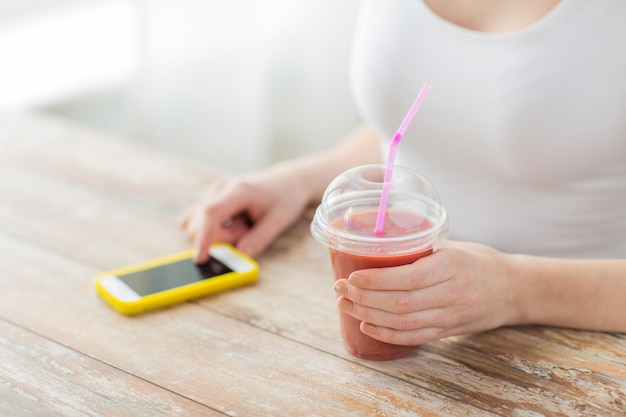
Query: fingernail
[355, 280]
[345, 305]
[341, 288]
[197, 258]
[368, 328]
[246, 249]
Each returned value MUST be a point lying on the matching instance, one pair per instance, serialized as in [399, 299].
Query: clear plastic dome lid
[415, 218]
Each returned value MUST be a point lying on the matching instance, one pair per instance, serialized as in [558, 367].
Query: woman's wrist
[526, 289]
[312, 173]
[541, 287]
[575, 293]
[304, 176]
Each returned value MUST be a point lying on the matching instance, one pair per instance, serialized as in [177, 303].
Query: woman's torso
[523, 132]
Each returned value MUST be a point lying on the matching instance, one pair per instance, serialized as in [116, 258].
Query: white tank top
[522, 133]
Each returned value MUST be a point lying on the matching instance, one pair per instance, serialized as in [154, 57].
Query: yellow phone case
[179, 294]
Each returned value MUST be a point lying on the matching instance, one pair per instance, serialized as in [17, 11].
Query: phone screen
[172, 275]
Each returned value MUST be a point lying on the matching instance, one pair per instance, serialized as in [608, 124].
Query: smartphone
[176, 278]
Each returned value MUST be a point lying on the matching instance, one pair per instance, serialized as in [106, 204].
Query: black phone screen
[172, 275]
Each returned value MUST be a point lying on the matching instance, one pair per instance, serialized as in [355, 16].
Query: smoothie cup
[415, 223]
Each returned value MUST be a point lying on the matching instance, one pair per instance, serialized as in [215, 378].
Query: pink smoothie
[344, 263]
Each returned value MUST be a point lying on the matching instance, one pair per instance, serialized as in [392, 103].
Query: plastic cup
[415, 223]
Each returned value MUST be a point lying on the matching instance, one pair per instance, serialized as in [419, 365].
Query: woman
[523, 134]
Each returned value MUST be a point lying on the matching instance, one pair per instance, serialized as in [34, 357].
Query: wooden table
[74, 202]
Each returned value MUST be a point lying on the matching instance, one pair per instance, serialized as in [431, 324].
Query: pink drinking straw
[393, 146]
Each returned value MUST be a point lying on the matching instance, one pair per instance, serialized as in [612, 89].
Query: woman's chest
[545, 105]
[492, 16]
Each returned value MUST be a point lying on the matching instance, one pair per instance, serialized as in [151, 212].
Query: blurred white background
[235, 83]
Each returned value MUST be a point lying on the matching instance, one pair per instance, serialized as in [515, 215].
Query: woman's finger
[393, 301]
[425, 272]
[436, 317]
[404, 338]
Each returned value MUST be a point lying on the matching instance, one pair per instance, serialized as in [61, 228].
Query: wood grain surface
[74, 202]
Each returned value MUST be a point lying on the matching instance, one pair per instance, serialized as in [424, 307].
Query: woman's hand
[249, 211]
[461, 288]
